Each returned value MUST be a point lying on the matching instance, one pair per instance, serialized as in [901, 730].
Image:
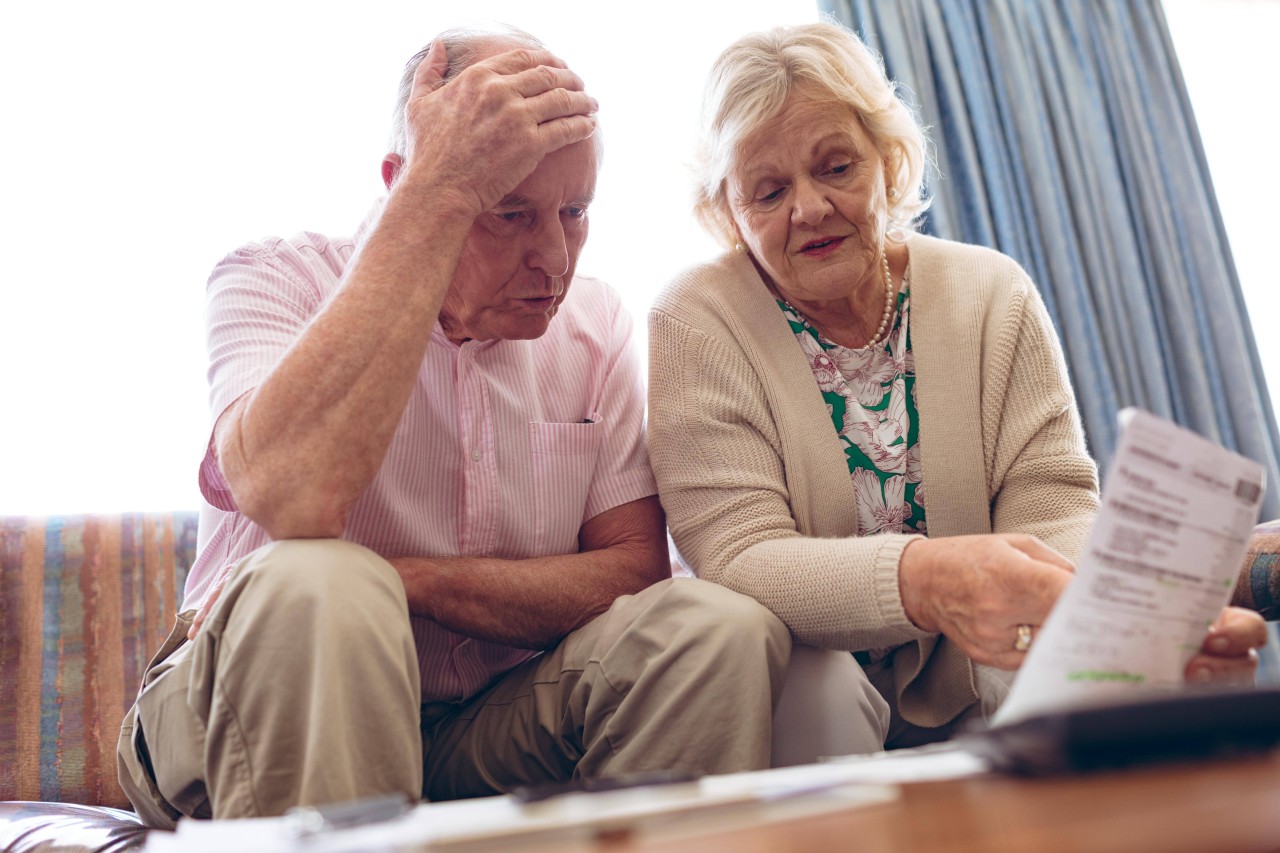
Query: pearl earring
[893, 192]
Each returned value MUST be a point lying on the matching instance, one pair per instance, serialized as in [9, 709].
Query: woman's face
[808, 199]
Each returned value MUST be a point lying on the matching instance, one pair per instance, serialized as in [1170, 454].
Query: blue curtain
[1065, 139]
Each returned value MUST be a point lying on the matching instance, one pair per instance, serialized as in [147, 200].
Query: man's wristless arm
[300, 448]
[533, 603]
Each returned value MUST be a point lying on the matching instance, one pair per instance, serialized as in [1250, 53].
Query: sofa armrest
[54, 827]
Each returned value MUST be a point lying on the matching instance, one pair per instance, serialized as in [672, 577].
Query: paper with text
[1158, 568]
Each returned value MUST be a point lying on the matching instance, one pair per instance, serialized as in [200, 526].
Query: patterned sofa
[85, 600]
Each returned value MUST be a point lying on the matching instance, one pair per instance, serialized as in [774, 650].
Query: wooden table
[1214, 806]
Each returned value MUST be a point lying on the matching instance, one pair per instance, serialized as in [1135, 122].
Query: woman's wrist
[913, 583]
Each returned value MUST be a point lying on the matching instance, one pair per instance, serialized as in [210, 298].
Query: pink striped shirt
[516, 445]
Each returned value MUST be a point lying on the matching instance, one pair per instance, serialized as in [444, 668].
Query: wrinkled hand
[976, 590]
[482, 134]
[1228, 656]
[209, 600]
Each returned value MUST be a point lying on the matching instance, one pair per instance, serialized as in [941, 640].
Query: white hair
[751, 81]
[462, 45]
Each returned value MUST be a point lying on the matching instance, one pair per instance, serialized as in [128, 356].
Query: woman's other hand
[977, 590]
[1229, 653]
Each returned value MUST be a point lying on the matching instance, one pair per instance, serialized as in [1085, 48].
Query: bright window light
[145, 140]
[1227, 51]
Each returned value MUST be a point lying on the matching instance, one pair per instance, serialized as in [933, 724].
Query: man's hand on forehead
[483, 132]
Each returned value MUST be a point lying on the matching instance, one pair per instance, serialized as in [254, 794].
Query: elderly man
[433, 560]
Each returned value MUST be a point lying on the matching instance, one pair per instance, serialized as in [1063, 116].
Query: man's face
[520, 256]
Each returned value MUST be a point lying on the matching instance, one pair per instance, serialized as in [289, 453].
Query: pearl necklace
[883, 330]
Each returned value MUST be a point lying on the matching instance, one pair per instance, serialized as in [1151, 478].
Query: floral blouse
[871, 396]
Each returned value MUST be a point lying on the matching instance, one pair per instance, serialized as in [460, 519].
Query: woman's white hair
[751, 81]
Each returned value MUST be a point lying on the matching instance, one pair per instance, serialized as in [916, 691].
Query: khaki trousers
[303, 689]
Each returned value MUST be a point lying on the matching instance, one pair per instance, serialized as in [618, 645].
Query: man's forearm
[527, 603]
[300, 448]
[533, 603]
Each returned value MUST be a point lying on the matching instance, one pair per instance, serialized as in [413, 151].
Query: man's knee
[732, 615]
[316, 562]
[342, 579]
[719, 622]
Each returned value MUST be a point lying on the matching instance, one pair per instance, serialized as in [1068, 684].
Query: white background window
[1229, 51]
[145, 140]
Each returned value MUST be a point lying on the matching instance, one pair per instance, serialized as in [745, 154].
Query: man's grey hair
[462, 45]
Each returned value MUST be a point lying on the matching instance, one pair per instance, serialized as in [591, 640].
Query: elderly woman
[869, 430]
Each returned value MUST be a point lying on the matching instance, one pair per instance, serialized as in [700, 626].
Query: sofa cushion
[84, 600]
[1258, 587]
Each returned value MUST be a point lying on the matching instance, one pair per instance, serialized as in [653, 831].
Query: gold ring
[1023, 642]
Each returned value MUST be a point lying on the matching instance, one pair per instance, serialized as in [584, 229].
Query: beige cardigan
[754, 480]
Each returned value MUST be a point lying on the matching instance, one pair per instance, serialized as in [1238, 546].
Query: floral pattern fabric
[871, 397]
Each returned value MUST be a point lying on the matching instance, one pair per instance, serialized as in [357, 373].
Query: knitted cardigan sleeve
[1042, 480]
[719, 461]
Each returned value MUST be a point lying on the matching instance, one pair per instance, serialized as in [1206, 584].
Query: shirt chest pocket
[564, 462]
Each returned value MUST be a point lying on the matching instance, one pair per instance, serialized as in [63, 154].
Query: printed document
[1158, 568]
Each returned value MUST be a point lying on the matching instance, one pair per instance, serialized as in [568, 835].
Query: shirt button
[475, 455]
